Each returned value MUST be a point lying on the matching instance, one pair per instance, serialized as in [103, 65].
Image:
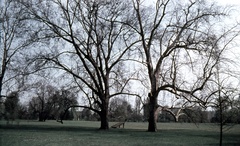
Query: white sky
[235, 3]
[226, 2]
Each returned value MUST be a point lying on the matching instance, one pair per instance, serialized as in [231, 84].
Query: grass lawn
[75, 133]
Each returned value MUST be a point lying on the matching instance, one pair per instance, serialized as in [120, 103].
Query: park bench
[60, 121]
[118, 125]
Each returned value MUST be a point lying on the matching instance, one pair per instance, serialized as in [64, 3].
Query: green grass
[75, 133]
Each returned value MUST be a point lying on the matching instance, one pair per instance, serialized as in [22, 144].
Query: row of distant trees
[54, 105]
[49, 103]
[199, 115]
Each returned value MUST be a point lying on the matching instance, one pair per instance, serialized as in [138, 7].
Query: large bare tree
[179, 47]
[88, 43]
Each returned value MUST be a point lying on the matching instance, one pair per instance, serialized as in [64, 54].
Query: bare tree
[120, 110]
[178, 47]
[43, 103]
[94, 44]
[11, 106]
[14, 39]
[224, 89]
[49, 102]
[65, 99]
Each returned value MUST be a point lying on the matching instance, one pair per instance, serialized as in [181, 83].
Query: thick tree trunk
[104, 114]
[3, 70]
[104, 119]
[152, 126]
[0, 89]
[41, 117]
[1, 101]
[1, 84]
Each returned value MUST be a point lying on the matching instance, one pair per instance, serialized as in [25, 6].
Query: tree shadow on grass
[163, 137]
[47, 128]
[229, 139]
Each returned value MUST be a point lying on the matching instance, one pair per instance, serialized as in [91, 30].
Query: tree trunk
[221, 121]
[3, 70]
[104, 119]
[1, 101]
[0, 89]
[152, 126]
[104, 114]
[1, 84]
[41, 117]
[221, 134]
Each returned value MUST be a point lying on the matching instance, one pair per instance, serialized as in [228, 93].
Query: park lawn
[75, 133]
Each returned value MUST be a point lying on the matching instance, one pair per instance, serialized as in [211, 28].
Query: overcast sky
[230, 2]
[225, 2]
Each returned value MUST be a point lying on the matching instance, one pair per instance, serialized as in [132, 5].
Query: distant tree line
[199, 115]
[48, 104]
[54, 105]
